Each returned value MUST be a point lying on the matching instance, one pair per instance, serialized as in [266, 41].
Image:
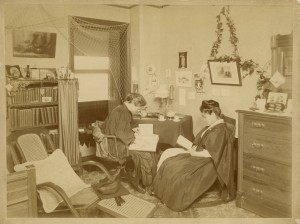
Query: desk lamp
[165, 95]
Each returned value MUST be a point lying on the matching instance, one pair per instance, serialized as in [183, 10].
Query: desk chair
[104, 151]
[27, 145]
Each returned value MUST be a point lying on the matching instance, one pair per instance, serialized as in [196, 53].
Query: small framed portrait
[224, 73]
[276, 101]
[199, 85]
[182, 60]
[13, 71]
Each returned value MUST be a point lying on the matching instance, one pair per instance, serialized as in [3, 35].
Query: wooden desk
[169, 130]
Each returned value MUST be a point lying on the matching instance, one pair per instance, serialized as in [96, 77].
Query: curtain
[68, 119]
[120, 78]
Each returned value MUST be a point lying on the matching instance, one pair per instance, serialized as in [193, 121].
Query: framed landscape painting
[34, 44]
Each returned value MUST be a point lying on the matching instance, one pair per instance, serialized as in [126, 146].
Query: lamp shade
[162, 92]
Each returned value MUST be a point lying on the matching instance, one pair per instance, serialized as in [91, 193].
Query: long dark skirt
[182, 179]
[144, 166]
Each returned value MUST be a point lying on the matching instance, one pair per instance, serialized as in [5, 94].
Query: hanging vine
[245, 65]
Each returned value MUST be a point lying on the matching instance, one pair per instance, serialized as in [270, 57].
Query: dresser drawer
[265, 208]
[275, 149]
[279, 128]
[268, 172]
[266, 191]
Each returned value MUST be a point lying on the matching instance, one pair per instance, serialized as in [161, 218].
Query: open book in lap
[184, 142]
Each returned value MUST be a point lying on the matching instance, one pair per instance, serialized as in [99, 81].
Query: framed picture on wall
[182, 60]
[184, 78]
[224, 73]
[33, 44]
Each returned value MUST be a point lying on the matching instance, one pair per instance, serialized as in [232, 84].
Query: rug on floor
[208, 206]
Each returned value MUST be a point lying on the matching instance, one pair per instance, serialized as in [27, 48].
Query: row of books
[33, 116]
[34, 95]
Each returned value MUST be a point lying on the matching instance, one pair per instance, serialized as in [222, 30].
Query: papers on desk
[145, 140]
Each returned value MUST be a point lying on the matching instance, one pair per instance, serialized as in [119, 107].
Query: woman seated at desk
[140, 166]
[183, 176]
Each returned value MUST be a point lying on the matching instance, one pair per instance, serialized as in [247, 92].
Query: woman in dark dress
[185, 175]
[140, 166]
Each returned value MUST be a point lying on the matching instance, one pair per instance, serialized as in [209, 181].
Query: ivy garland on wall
[245, 65]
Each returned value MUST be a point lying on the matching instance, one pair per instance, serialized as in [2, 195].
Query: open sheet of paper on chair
[146, 143]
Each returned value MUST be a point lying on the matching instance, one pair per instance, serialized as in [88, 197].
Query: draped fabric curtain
[120, 78]
[104, 39]
[68, 119]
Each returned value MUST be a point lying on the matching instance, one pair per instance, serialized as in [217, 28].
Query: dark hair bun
[209, 106]
[210, 103]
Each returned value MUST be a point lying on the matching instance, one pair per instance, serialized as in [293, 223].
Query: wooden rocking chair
[28, 145]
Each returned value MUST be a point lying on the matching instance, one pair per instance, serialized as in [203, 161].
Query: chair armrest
[61, 193]
[99, 165]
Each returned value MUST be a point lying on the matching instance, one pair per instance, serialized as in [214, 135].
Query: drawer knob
[258, 125]
[257, 191]
[257, 145]
[258, 169]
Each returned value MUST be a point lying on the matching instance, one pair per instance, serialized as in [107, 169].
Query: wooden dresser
[21, 194]
[265, 164]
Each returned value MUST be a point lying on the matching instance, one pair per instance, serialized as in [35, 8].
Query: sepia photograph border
[295, 219]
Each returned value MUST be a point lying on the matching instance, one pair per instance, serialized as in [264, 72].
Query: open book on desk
[145, 143]
[184, 142]
[145, 140]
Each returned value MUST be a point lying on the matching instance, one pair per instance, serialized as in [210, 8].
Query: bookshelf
[33, 103]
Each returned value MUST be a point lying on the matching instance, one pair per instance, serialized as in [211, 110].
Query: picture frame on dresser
[276, 102]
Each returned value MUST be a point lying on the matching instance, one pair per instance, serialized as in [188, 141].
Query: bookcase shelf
[34, 126]
[26, 107]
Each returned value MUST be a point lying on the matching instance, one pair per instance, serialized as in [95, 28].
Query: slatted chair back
[30, 145]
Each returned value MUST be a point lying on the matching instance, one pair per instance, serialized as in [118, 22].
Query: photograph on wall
[34, 44]
[199, 85]
[184, 78]
[224, 73]
[182, 60]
